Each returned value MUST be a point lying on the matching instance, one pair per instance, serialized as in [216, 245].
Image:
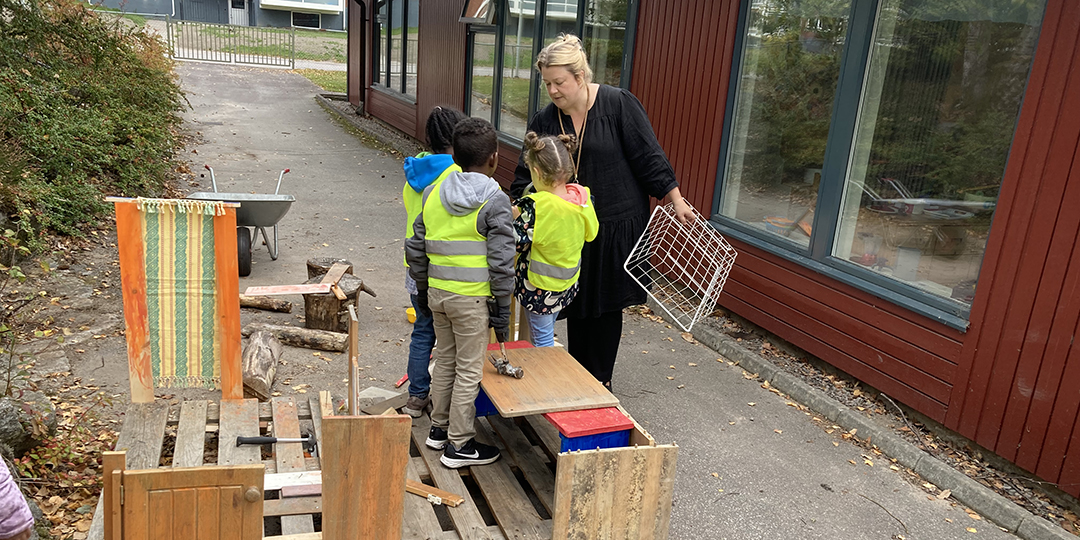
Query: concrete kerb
[979, 498]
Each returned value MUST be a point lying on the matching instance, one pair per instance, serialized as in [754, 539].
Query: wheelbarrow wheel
[243, 249]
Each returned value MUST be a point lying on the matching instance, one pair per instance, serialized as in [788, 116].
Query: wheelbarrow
[256, 211]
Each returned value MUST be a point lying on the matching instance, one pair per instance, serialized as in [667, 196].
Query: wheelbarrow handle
[278, 188]
[212, 179]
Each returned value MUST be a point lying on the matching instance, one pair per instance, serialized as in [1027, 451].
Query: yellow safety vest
[414, 202]
[457, 252]
[560, 231]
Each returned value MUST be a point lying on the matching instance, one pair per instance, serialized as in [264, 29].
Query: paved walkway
[751, 465]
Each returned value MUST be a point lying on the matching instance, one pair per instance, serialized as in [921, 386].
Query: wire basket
[683, 267]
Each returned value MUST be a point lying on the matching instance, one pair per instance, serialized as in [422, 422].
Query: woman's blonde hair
[568, 52]
[550, 155]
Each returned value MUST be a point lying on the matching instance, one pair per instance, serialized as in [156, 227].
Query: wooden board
[419, 519]
[277, 290]
[553, 382]
[289, 456]
[191, 434]
[467, 519]
[508, 502]
[142, 434]
[364, 480]
[527, 459]
[238, 419]
[622, 493]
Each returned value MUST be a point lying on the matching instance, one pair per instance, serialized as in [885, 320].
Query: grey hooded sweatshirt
[462, 193]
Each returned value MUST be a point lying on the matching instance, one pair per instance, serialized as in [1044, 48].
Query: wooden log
[327, 311]
[321, 265]
[265, 302]
[302, 337]
[259, 362]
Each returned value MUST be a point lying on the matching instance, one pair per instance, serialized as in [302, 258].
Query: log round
[325, 311]
[321, 265]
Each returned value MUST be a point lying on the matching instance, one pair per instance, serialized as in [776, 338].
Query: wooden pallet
[531, 493]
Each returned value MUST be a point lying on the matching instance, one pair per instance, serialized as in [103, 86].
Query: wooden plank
[467, 520]
[614, 493]
[112, 468]
[335, 272]
[129, 241]
[446, 498]
[509, 503]
[238, 419]
[279, 290]
[289, 457]
[277, 481]
[292, 506]
[191, 434]
[302, 536]
[553, 381]
[208, 502]
[185, 514]
[395, 402]
[364, 482]
[228, 293]
[142, 434]
[353, 366]
[527, 460]
[549, 436]
[419, 519]
[316, 421]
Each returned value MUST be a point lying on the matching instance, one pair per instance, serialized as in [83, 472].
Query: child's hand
[515, 211]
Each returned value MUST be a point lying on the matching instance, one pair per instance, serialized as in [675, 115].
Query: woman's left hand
[683, 212]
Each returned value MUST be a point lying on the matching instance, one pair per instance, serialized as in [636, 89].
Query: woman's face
[563, 87]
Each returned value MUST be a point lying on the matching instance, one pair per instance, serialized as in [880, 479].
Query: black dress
[623, 164]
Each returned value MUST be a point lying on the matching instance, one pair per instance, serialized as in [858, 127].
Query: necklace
[580, 136]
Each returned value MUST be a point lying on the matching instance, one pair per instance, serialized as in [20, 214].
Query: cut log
[302, 337]
[326, 311]
[259, 361]
[321, 265]
[265, 302]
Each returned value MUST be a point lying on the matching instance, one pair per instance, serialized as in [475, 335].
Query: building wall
[1020, 363]
[1010, 381]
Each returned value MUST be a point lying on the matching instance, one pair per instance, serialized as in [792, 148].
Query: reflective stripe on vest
[559, 234]
[457, 253]
[414, 202]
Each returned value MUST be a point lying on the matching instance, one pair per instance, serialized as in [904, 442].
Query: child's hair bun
[569, 141]
[533, 142]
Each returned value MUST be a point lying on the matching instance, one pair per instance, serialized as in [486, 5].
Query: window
[306, 20]
[396, 28]
[501, 73]
[873, 141]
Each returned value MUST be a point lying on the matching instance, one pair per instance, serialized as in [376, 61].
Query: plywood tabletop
[553, 382]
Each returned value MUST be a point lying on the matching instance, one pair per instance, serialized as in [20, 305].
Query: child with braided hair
[551, 226]
[426, 169]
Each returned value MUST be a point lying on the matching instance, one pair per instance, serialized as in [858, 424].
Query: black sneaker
[436, 439]
[472, 453]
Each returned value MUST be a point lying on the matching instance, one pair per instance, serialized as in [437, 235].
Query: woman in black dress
[621, 162]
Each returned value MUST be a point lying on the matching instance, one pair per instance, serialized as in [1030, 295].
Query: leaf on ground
[688, 337]
[944, 494]
[972, 530]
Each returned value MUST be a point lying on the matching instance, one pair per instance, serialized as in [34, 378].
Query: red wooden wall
[358, 47]
[1020, 362]
[441, 79]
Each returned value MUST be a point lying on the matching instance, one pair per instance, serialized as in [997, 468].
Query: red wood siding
[393, 109]
[909, 357]
[508, 160]
[1020, 361]
[441, 53]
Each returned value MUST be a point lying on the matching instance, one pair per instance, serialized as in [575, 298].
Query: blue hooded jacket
[425, 168]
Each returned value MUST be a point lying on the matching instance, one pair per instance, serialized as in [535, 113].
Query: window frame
[498, 27]
[383, 51]
[854, 68]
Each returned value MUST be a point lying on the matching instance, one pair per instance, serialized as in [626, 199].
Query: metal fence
[232, 44]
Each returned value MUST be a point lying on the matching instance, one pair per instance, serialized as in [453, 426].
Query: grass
[139, 20]
[331, 81]
[515, 93]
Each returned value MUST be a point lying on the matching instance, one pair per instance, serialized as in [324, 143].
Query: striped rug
[181, 294]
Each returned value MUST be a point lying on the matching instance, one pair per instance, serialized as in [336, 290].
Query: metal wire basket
[683, 267]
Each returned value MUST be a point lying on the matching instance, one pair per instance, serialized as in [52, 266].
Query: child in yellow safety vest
[550, 226]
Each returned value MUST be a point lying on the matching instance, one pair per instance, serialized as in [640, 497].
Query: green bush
[89, 107]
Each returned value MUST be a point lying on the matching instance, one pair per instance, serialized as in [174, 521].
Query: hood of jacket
[425, 168]
[463, 192]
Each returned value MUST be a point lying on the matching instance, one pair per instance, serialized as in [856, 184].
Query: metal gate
[190, 40]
